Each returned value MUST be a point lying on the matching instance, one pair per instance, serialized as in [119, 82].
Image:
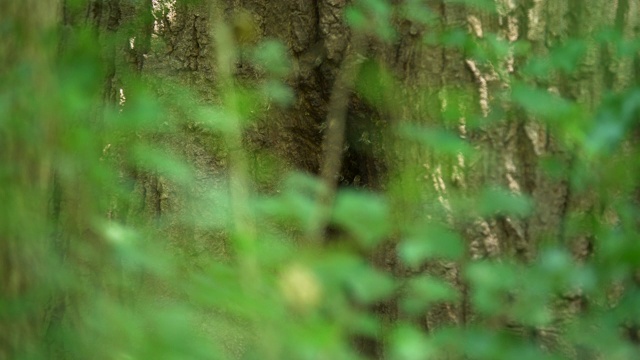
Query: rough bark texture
[176, 50]
[317, 39]
[23, 270]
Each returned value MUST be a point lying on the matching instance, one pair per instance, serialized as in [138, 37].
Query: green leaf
[370, 285]
[554, 166]
[490, 284]
[165, 163]
[365, 324]
[430, 241]
[500, 48]
[456, 38]
[612, 122]
[543, 103]
[365, 215]
[297, 202]
[372, 16]
[484, 5]
[279, 93]
[243, 103]
[380, 8]
[569, 55]
[438, 140]
[361, 281]
[140, 110]
[217, 119]
[418, 12]
[494, 201]
[409, 343]
[355, 18]
[376, 84]
[556, 261]
[272, 55]
[425, 290]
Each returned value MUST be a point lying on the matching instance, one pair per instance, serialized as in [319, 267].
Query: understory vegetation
[494, 216]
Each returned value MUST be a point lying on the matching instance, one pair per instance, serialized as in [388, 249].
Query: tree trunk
[178, 51]
[27, 60]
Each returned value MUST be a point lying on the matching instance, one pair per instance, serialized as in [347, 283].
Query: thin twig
[333, 143]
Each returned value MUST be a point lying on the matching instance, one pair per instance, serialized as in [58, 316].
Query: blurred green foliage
[94, 266]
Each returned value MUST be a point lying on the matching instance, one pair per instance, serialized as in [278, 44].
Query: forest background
[331, 179]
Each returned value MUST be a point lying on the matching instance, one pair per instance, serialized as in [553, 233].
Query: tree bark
[332, 129]
[431, 78]
[27, 60]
